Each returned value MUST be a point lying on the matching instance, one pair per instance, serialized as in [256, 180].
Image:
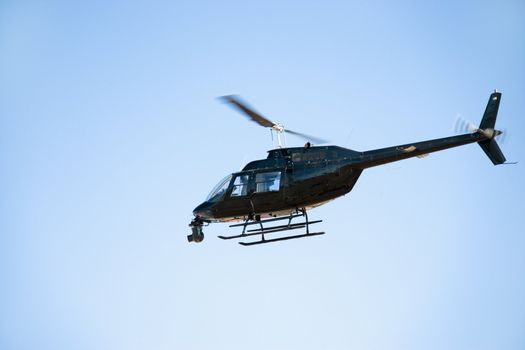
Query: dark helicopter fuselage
[292, 180]
[289, 178]
[304, 177]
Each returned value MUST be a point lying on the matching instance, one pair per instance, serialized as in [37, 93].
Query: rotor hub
[278, 127]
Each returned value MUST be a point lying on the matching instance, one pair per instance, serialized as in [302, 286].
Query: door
[267, 193]
[236, 202]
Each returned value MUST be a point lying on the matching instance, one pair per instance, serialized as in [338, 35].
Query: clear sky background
[110, 135]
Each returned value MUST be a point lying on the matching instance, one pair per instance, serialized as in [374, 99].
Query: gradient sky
[110, 135]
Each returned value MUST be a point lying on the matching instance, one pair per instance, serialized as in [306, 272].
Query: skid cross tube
[273, 229]
[258, 232]
[255, 222]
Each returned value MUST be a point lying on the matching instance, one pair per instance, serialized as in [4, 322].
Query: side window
[240, 186]
[268, 182]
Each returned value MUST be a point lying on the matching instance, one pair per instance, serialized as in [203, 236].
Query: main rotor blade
[259, 119]
[250, 113]
[315, 140]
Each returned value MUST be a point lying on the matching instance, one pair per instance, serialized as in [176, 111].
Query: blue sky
[110, 135]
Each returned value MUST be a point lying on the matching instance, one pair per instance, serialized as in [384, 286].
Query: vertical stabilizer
[491, 112]
[491, 148]
[487, 125]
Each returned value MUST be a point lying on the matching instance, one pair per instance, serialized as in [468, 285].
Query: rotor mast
[279, 130]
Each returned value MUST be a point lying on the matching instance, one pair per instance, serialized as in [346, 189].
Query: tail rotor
[463, 126]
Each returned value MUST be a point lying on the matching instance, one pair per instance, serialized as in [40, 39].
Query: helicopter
[293, 180]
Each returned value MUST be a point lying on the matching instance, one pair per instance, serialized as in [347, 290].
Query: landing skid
[264, 241]
[272, 229]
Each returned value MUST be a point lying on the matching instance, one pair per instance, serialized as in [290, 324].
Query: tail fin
[488, 122]
[493, 151]
[491, 112]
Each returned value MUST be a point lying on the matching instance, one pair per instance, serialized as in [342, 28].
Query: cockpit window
[219, 189]
[268, 182]
[240, 186]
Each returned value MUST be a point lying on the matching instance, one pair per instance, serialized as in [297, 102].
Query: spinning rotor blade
[256, 117]
[259, 119]
[501, 137]
[463, 126]
[306, 137]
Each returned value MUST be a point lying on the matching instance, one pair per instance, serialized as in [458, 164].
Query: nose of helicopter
[204, 210]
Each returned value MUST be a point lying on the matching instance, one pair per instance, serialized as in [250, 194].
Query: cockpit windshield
[219, 189]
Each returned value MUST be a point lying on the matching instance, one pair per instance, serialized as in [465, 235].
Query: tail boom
[416, 149]
[484, 136]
